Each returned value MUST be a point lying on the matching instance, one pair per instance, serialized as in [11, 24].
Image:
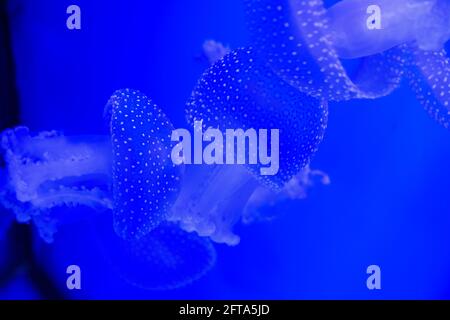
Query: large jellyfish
[303, 42]
[241, 92]
[403, 21]
[146, 188]
[129, 172]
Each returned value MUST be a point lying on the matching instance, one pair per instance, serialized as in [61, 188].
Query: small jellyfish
[241, 92]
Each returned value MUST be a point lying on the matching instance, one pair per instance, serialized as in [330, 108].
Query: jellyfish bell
[48, 173]
[240, 91]
[265, 205]
[145, 180]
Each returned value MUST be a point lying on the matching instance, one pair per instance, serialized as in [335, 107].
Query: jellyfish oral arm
[49, 170]
[212, 199]
[395, 23]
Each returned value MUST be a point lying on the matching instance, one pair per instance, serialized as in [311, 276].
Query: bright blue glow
[387, 161]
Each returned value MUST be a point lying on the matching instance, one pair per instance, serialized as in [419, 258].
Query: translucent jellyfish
[241, 92]
[264, 204]
[49, 172]
[303, 43]
[294, 37]
[214, 51]
[8, 257]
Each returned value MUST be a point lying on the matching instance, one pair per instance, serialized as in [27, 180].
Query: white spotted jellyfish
[305, 44]
[240, 91]
[128, 172]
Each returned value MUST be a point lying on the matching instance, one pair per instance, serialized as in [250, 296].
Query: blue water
[387, 203]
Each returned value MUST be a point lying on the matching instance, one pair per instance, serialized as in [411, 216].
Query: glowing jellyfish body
[294, 38]
[240, 92]
[49, 170]
[398, 22]
[303, 43]
[283, 84]
[429, 77]
[419, 29]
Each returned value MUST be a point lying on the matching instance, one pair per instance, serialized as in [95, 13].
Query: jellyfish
[294, 37]
[309, 46]
[129, 173]
[240, 91]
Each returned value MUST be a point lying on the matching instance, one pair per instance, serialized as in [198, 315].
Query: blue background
[388, 203]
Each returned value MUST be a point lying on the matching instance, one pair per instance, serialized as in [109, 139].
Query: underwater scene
[224, 149]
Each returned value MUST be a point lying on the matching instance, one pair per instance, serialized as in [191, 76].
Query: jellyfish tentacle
[211, 200]
[263, 205]
[380, 74]
[145, 180]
